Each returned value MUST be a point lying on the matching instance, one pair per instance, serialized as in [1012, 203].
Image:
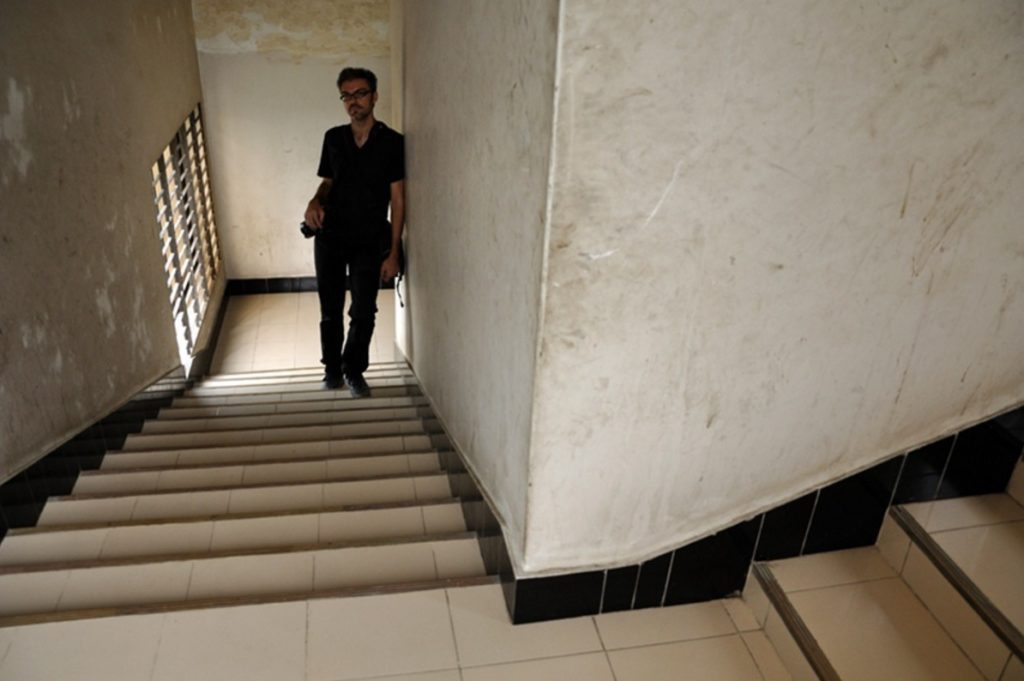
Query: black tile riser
[845, 514]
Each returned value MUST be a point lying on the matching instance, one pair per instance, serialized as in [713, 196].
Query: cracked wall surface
[268, 70]
[89, 97]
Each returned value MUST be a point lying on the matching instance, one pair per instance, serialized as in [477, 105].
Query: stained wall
[268, 71]
[90, 94]
[786, 242]
[479, 80]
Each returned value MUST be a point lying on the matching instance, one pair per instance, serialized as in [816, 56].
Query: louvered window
[184, 208]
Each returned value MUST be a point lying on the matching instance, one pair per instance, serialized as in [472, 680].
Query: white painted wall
[90, 94]
[269, 69]
[478, 103]
[786, 242]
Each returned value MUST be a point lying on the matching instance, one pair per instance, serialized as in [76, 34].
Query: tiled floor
[440, 635]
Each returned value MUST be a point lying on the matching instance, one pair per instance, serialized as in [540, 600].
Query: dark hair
[351, 73]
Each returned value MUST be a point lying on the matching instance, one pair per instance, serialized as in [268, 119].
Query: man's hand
[389, 268]
[315, 214]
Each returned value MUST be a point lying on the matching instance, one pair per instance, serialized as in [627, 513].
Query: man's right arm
[315, 209]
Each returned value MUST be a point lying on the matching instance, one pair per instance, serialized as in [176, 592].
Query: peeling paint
[14, 152]
[312, 29]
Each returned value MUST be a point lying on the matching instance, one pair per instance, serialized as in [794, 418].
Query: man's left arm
[389, 268]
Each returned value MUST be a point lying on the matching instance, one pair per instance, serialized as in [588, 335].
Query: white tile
[958, 618]
[374, 445]
[372, 565]
[249, 575]
[1014, 670]
[714, 659]
[368, 492]
[45, 547]
[442, 518]
[830, 569]
[755, 598]
[242, 533]
[893, 543]
[305, 471]
[353, 638]
[743, 618]
[765, 656]
[424, 463]
[367, 466]
[592, 667]
[86, 511]
[883, 617]
[265, 499]
[663, 625]
[432, 487]
[950, 514]
[1016, 486]
[991, 556]
[148, 540]
[486, 636]
[290, 450]
[200, 478]
[416, 443]
[113, 462]
[126, 585]
[458, 558]
[374, 524]
[785, 645]
[105, 649]
[31, 591]
[253, 643]
[181, 505]
[225, 455]
[113, 483]
[448, 675]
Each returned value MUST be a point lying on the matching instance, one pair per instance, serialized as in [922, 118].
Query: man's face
[357, 98]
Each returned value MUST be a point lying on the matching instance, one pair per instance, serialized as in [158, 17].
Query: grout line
[757, 539]
[188, 584]
[604, 586]
[842, 584]
[156, 649]
[668, 579]
[674, 641]
[636, 585]
[810, 520]
[750, 652]
[945, 466]
[451, 624]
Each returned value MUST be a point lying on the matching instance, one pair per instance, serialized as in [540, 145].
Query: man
[362, 168]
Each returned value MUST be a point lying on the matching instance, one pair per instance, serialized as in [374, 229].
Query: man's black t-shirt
[357, 205]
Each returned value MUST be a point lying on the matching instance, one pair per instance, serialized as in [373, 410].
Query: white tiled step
[316, 416]
[299, 376]
[286, 388]
[291, 396]
[144, 442]
[326, 404]
[297, 572]
[138, 481]
[229, 534]
[385, 444]
[259, 499]
[303, 371]
[866, 620]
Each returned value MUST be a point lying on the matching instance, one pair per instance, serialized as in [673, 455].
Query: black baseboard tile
[650, 586]
[981, 462]
[245, 287]
[558, 597]
[619, 588]
[922, 472]
[785, 527]
[713, 567]
[849, 512]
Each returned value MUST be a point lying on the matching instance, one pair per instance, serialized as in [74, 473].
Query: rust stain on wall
[300, 29]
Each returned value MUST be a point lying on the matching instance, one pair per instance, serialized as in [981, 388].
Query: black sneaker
[357, 385]
[332, 381]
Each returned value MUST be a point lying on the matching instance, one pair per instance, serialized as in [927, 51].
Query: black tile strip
[785, 527]
[557, 597]
[619, 587]
[982, 461]
[922, 472]
[714, 567]
[650, 587]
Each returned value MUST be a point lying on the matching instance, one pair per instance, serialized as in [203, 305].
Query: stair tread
[852, 601]
[172, 413]
[126, 470]
[319, 417]
[320, 393]
[254, 599]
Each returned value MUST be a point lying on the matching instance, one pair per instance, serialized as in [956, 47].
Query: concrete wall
[479, 83]
[268, 70]
[786, 242]
[90, 94]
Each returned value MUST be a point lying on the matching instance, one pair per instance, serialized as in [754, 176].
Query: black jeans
[331, 256]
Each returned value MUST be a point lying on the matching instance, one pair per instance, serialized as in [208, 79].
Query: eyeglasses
[358, 94]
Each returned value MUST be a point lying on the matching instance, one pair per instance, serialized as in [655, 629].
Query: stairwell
[252, 487]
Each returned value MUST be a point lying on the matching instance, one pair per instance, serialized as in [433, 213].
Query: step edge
[184, 557]
[251, 515]
[272, 444]
[140, 435]
[988, 611]
[7, 621]
[795, 624]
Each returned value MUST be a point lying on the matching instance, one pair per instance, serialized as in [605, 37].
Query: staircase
[254, 487]
[939, 598]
